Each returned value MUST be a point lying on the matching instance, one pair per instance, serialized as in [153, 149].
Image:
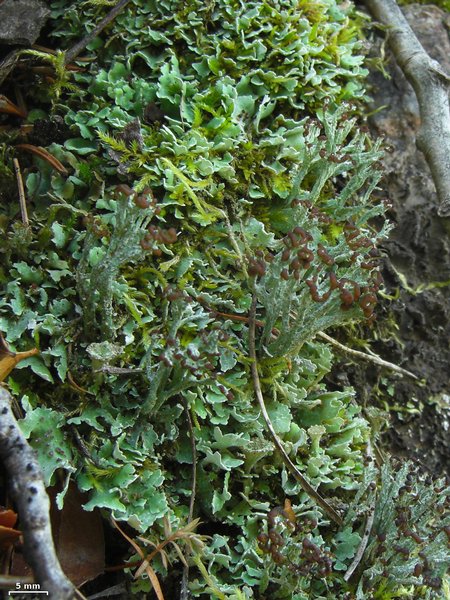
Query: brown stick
[44, 155]
[28, 492]
[184, 593]
[22, 199]
[73, 52]
[328, 509]
[431, 85]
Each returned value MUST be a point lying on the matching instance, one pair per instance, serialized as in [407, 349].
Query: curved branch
[28, 492]
[431, 85]
[307, 487]
[367, 528]
[75, 50]
[373, 358]
[184, 594]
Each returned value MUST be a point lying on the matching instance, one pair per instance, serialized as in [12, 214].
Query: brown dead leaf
[19, 568]
[8, 535]
[78, 536]
[9, 359]
[8, 517]
[9, 108]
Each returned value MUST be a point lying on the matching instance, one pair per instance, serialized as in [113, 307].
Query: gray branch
[28, 492]
[431, 85]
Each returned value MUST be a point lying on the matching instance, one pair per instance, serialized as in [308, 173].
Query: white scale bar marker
[27, 592]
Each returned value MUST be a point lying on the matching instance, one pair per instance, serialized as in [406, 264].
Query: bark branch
[184, 593]
[373, 358]
[307, 487]
[28, 492]
[75, 50]
[431, 85]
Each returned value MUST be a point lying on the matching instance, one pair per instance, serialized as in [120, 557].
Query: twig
[28, 492]
[234, 243]
[287, 461]
[83, 448]
[75, 385]
[116, 590]
[373, 358]
[22, 200]
[431, 85]
[75, 50]
[8, 582]
[184, 594]
[367, 530]
[8, 63]
[118, 370]
[145, 565]
[362, 546]
[44, 154]
[79, 595]
[194, 465]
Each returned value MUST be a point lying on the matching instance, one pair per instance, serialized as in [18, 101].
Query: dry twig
[184, 594]
[145, 564]
[431, 85]
[75, 50]
[28, 492]
[362, 546]
[44, 154]
[373, 358]
[328, 509]
[8, 582]
[118, 370]
[22, 200]
[367, 529]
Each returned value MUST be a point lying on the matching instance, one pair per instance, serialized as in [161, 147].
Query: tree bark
[28, 492]
[431, 85]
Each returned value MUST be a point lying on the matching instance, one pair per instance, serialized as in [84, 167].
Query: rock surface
[22, 21]
[417, 266]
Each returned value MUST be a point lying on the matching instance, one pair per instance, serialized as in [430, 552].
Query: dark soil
[416, 268]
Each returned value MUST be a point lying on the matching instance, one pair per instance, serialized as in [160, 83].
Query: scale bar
[11, 592]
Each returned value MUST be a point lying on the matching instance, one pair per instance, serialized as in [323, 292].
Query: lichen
[216, 152]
